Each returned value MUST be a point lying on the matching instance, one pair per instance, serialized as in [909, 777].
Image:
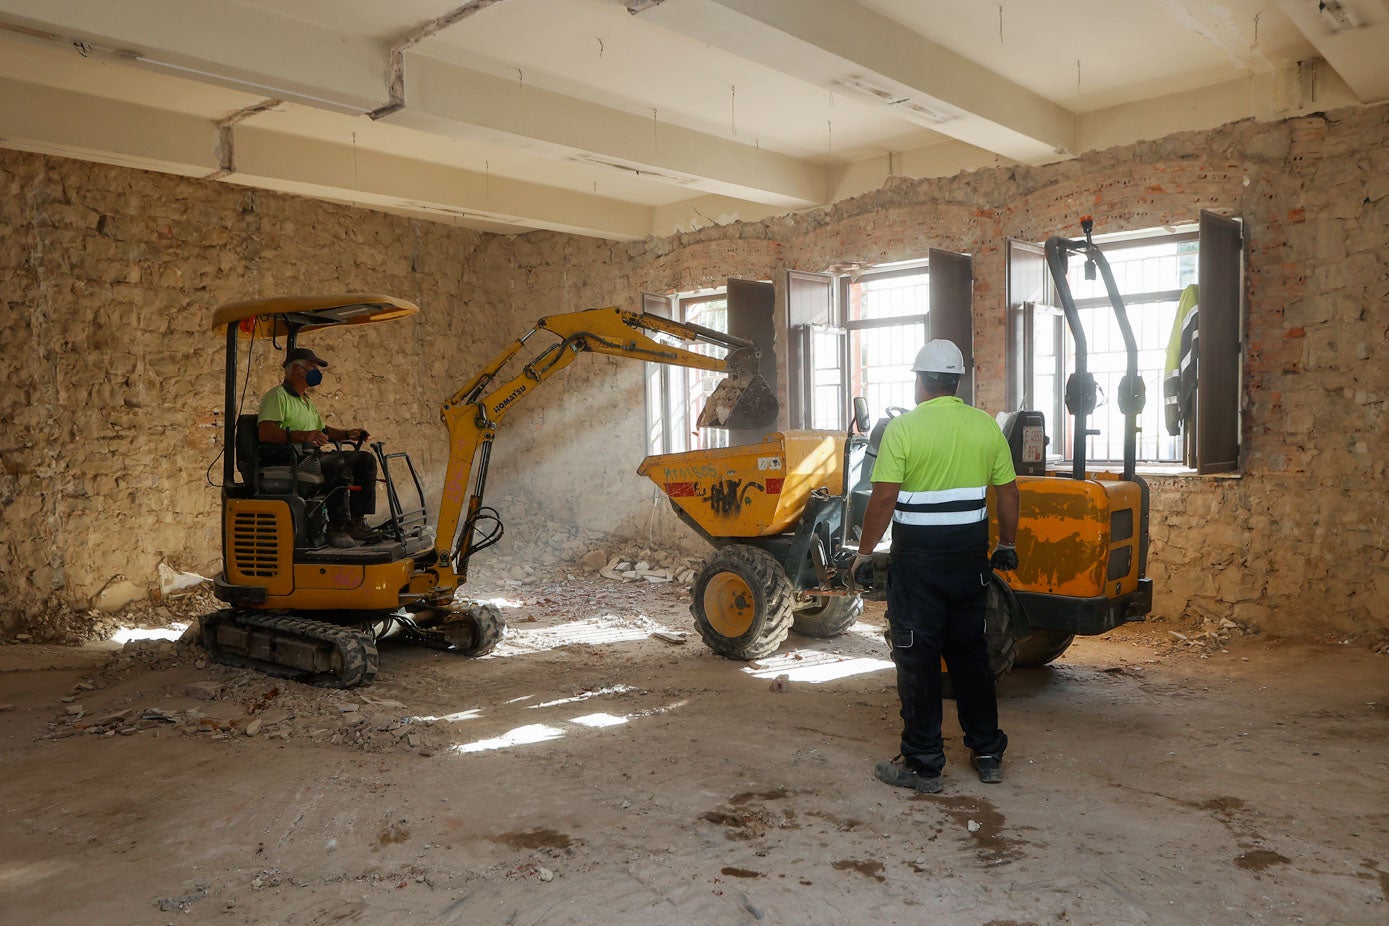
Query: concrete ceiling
[625, 118]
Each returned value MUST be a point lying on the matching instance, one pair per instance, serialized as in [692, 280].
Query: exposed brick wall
[112, 388]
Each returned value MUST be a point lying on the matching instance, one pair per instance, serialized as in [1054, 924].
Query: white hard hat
[939, 356]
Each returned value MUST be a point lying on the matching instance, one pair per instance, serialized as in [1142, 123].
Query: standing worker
[935, 464]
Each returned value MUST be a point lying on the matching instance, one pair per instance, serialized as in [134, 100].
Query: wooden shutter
[952, 315]
[1027, 286]
[657, 305]
[751, 315]
[1218, 375]
[809, 303]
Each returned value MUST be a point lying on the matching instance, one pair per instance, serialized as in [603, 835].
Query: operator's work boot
[340, 536]
[359, 531]
[903, 773]
[990, 769]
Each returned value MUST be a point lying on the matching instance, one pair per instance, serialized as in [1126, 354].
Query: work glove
[862, 570]
[1005, 557]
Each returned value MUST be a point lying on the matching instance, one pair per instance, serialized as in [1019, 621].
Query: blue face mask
[313, 377]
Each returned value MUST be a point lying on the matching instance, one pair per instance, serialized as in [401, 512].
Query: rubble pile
[232, 703]
[644, 564]
[1214, 635]
[66, 626]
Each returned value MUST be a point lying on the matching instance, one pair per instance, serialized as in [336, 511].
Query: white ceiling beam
[222, 43]
[460, 102]
[288, 59]
[62, 122]
[70, 124]
[1353, 37]
[828, 42]
[329, 170]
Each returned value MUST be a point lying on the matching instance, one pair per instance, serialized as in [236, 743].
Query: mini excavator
[302, 609]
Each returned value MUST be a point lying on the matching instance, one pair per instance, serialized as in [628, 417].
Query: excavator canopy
[271, 316]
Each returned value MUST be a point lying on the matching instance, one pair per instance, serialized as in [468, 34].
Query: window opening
[886, 321]
[675, 394]
[1150, 270]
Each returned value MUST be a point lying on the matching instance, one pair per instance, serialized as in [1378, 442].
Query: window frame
[669, 384]
[1206, 448]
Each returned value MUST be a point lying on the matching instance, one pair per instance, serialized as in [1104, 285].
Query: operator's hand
[862, 570]
[315, 438]
[357, 434]
[1005, 557]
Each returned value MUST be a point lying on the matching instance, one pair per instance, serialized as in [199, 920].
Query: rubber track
[359, 656]
[836, 615]
[761, 570]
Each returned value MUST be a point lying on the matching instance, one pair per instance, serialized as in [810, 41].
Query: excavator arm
[472, 414]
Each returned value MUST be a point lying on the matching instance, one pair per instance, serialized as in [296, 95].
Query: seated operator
[288, 416]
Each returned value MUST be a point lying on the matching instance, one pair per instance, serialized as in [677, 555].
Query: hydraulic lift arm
[474, 412]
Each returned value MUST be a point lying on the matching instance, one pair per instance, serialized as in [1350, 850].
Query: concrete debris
[545, 874]
[974, 826]
[253, 726]
[781, 683]
[205, 691]
[181, 904]
[669, 636]
[645, 565]
[173, 583]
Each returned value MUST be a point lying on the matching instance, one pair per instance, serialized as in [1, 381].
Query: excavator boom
[472, 415]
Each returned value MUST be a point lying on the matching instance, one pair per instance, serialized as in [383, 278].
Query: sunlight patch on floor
[456, 717]
[815, 667]
[615, 689]
[540, 733]
[521, 736]
[124, 635]
[590, 631]
[597, 721]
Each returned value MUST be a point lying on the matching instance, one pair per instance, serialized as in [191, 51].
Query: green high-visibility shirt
[945, 454]
[290, 411]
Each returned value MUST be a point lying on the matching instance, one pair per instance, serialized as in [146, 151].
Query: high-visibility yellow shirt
[290, 411]
[945, 454]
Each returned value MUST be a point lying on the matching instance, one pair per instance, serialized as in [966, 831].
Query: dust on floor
[596, 770]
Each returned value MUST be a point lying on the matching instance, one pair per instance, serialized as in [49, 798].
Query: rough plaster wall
[111, 404]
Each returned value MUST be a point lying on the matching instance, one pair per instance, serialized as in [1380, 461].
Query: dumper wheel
[826, 615]
[1000, 612]
[742, 602]
[1039, 647]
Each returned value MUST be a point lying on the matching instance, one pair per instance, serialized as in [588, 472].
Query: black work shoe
[900, 773]
[339, 536]
[990, 769]
[358, 530]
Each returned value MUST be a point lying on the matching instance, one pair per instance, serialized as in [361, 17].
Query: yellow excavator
[300, 608]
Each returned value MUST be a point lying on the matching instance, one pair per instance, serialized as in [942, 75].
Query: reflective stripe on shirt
[942, 507]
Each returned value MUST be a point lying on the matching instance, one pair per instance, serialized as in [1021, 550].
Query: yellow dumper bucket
[754, 490]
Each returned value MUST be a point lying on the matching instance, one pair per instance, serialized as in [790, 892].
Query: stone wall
[110, 412]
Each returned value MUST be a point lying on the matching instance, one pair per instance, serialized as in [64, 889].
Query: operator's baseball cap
[939, 356]
[303, 353]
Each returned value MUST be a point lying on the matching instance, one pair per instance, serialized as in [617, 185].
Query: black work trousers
[935, 608]
[349, 479]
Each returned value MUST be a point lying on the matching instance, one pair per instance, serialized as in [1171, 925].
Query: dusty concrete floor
[590, 773]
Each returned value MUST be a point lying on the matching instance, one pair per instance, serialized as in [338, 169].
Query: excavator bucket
[743, 400]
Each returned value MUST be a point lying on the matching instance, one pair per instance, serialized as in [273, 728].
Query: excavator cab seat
[276, 479]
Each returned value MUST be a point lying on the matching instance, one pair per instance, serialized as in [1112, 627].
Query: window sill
[1146, 470]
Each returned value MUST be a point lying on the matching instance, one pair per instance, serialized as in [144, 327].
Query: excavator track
[279, 644]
